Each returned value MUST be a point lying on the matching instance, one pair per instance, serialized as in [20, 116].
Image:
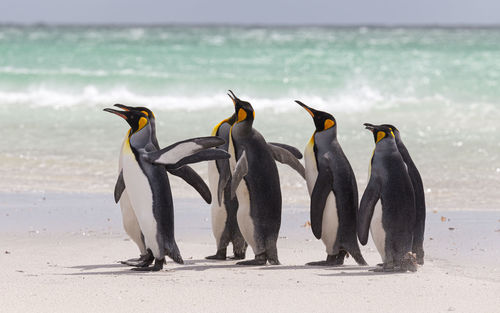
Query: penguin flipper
[285, 156]
[119, 187]
[319, 194]
[224, 177]
[188, 151]
[192, 178]
[367, 205]
[203, 155]
[240, 171]
[296, 152]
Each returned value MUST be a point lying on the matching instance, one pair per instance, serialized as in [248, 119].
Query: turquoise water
[440, 86]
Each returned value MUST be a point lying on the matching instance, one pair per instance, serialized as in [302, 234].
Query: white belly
[330, 224]
[219, 213]
[311, 167]
[377, 231]
[141, 199]
[245, 222]
[130, 223]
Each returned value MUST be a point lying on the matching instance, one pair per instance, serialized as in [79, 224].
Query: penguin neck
[326, 136]
[154, 140]
[243, 128]
[386, 145]
[141, 138]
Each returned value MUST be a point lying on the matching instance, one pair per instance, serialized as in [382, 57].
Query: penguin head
[322, 120]
[136, 119]
[380, 132]
[243, 109]
[144, 110]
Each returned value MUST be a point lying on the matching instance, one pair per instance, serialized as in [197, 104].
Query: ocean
[439, 86]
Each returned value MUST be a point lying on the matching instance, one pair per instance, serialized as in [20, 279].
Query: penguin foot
[238, 256]
[323, 263]
[274, 262]
[141, 258]
[260, 259]
[220, 255]
[155, 268]
[331, 260]
[419, 253]
[130, 262]
[147, 259]
[216, 257]
[409, 263]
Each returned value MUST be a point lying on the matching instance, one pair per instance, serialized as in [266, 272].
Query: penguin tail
[172, 251]
[356, 254]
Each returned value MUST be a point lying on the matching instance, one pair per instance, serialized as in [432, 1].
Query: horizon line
[247, 25]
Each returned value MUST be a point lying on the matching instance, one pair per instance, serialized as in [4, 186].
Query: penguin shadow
[360, 271]
[192, 265]
[90, 267]
[316, 267]
[85, 270]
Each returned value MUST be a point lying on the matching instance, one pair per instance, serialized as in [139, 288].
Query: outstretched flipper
[176, 152]
[240, 171]
[119, 187]
[366, 207]
[284, 156]
[188, 151]
[296, 152]
[224, 177]
[319, 195]
[192, 178]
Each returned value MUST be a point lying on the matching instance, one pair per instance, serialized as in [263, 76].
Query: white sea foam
[359, 98]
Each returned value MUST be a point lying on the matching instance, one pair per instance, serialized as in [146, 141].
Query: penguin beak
[369, 126]
[232, 96]
[122, 114]
[308, 109]
[124, 107]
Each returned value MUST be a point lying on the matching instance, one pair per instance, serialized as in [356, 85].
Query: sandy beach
[59, 253]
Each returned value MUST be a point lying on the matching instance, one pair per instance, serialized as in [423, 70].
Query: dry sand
[59, 254]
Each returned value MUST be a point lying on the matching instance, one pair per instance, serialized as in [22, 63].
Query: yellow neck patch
[242, 115]
[329, 124]
[142, 122]
[216, 128]
[380, 136]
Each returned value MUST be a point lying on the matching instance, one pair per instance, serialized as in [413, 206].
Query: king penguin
[256, 184]
[224, 224]
[130, 223]
[333, 190]
[387, 207]
[418, 189]
[147, 184]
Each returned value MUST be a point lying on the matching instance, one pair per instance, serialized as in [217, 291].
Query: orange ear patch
[380, 136]
[142, 122]
[329, 123]
[242, 115]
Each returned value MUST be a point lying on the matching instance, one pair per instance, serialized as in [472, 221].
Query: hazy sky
[252, 11]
